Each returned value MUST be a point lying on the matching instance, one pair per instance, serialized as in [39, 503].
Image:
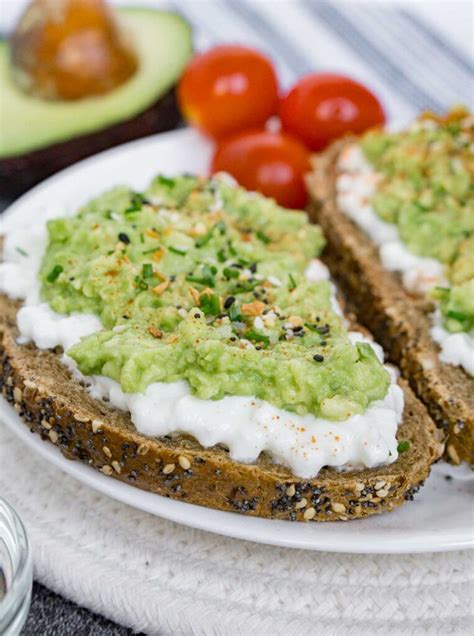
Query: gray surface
[52, 615]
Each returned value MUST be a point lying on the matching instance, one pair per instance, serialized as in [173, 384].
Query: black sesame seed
[253, 268]
[229, 301]
[318, 358]
[124, 238]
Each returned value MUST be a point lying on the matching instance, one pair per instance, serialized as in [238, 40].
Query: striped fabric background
[415, 54]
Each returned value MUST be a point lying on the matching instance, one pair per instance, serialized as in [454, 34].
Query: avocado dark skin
[19, 173]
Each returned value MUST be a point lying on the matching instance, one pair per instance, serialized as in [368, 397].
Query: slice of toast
[399, 322]
[58, 408]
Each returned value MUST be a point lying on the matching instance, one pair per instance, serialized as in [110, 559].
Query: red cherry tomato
[228, 89]
[322, 107]
[271, 163]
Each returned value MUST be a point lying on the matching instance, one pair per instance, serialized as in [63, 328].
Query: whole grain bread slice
[59, 409]
[399, 321]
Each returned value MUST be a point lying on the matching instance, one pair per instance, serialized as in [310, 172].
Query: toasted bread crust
[398, 321]
[58, 408]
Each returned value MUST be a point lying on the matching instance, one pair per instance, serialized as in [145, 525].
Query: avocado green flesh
[163, 45]
[427, 190]
[177, 275]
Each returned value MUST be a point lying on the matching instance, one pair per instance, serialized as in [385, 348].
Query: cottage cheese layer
[247, 425]
[355, 186]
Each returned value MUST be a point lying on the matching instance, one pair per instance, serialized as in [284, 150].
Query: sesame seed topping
[309, 513]
[116, 466]
[107, 452]
[338, 507]
[96, 424]
[168, 469]
[107, 470]
[291, 490]
[379, 485]
[143, 449]
[184, 462]
[383, 492]
[301, 504]
[53, 436]
[17, 394]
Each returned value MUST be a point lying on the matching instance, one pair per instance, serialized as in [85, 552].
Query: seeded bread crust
[399, 322]
[59, 409]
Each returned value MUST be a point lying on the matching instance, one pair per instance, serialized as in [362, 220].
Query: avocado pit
[70, 49]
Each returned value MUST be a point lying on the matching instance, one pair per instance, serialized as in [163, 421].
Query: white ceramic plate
[440, 518]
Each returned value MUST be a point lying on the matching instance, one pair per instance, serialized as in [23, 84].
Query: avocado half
[40, 137]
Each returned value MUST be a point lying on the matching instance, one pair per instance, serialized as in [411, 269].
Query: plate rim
[228, 524]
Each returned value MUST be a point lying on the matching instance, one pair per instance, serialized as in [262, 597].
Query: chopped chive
[176, 250]
[257, 337]
[147, 270]
[263, 237]
[165, 181]
[221, 256]
[54, 273]
[152, 250]
[229, 272]
[210, 304]
[201, 280]
[21, 251]
[142, 238]
[234, 312]
[232, 250]
[136, 203]
[200, 242]
[140, 283]
[243, 261]
[220, 226]
[292, 284]
[403, 446]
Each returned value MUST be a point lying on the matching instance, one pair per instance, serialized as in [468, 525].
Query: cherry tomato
[322, 107]
[271, 163]
[228, 89]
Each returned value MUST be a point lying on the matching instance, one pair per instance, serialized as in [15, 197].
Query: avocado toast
[188, 342]
[398, 214]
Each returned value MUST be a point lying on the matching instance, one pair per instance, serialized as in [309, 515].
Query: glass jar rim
[17, 548]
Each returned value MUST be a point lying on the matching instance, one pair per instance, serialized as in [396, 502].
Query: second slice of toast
[399, 321]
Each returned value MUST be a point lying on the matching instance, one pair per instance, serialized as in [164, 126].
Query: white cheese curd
[247, 425]
[456, 348]
[355, 185]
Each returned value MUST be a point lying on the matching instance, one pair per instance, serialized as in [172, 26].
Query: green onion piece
[234, 312]
[292, 284]
[54, 273]
[136, 203]
[175, 250]
[231, 272]
[263, 237]
[200, 280]
[147, 270]
[403, 446]
[140, 283]
[232, 250]
[257, 337]
[21, 251]
[210, 304]
[221, 256]
[165, 181]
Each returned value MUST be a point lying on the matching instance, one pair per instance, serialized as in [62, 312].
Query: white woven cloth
[161, 578]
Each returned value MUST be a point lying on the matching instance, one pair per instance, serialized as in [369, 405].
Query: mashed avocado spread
[199, 280]
[427, 190]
